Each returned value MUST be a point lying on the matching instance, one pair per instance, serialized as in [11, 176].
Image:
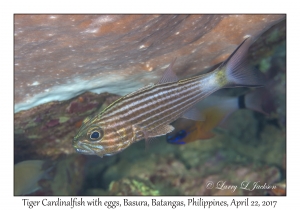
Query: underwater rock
[66, 177]
[69, 175]
[48, 129]
[280, 189]
[169, 176]
[58, 57]
[132, 186]
[235, 180]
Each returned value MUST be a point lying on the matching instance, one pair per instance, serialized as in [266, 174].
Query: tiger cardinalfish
[216, 109]
[148, 112]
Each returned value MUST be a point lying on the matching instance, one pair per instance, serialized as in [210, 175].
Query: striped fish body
[147, 113]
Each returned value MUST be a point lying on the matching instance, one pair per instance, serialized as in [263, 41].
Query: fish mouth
[84, 149]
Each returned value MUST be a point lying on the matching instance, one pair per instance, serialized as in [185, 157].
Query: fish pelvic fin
[236, 71]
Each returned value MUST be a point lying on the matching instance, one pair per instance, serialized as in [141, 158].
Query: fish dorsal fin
[193, 114]
[169, 75]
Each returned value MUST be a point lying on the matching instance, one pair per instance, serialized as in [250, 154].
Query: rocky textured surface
[60, 56]
[169, 176]
[65, 177]
[48, 129]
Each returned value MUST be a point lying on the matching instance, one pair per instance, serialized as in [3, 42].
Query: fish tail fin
[260, 100]
[238, 72]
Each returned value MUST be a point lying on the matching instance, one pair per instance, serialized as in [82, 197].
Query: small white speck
[52, 17]
[91, 30]
[246, 36]
[50, 34]
[177, 33]
[34, 83]
[142, 46]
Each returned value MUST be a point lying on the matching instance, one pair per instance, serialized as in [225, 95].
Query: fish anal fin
[169, 75]
[193, 114]
[149, 142]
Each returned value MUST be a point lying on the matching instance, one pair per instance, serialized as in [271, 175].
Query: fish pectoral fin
[169, 75]
[154, 134]
[160, 131]
[150, 135]
[193, 114]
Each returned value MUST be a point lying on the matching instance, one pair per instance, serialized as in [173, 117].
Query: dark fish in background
[216, 109]
[148, 112]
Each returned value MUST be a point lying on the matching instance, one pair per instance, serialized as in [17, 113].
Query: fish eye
[95, 134]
